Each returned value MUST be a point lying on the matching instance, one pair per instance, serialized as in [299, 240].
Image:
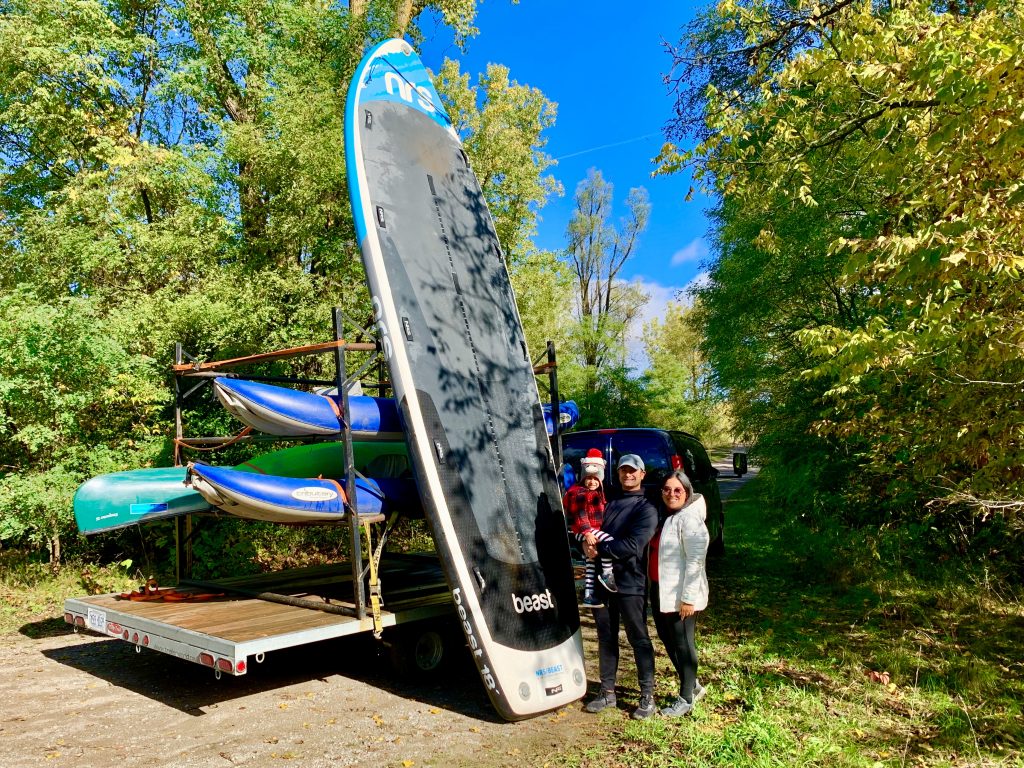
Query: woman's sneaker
[681, 706]
[677, 708]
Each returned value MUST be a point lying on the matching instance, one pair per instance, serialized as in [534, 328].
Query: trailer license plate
[97, 620]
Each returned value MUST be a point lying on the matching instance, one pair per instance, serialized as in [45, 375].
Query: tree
[683, 394]
[605, 305]
[69, 398]
[887, 125]
[174, 172]
[501, 123]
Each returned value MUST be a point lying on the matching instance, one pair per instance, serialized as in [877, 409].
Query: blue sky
[603, 64]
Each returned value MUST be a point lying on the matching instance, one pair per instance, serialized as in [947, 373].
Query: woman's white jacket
[682, 550]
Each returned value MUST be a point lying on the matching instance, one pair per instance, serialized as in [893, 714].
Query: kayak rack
[366, 598]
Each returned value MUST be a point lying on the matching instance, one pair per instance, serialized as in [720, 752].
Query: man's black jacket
[631, 521]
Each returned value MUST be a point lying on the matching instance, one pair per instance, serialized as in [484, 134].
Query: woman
[679, 583]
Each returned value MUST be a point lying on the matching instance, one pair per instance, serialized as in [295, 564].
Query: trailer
[229, 623]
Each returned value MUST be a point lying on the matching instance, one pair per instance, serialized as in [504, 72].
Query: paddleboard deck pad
[464, 383]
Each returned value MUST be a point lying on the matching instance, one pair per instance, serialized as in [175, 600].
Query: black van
[662, 451]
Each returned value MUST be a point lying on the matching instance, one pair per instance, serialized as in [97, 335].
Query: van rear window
[648, 446]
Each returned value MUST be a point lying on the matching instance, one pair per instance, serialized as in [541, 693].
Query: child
[584, 504]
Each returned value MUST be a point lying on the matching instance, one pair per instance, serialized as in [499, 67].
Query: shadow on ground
[191, 688]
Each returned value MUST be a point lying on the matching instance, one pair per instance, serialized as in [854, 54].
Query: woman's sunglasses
[673, 491]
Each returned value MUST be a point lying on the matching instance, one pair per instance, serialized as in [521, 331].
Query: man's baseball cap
[631, 460]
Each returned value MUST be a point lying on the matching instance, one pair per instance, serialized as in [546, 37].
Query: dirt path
[82, 700]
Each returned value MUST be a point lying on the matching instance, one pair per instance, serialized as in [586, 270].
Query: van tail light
[677, 461]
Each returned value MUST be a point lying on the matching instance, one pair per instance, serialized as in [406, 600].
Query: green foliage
[682, 392]
[617, 398]
[501, 123]
[71, 397]
[174, 173]
[603, 303]
[870, 190]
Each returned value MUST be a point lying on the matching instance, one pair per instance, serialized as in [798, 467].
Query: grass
[32, 594]
[813, 658]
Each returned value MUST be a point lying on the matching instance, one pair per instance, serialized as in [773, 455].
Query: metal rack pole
[182, 525]
[355, 534]
[556, 442]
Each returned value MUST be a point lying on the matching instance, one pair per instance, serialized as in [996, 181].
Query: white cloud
[693, 252]
[657, 305]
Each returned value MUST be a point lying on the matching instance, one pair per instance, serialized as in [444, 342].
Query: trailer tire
[418, 651]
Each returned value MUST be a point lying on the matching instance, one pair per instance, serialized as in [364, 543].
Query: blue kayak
[290, 412]
[297, 500]
[293, 413]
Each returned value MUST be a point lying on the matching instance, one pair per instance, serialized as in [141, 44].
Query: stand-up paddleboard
[293, 413]
[298, 500]
[464, 382]
[115, 500]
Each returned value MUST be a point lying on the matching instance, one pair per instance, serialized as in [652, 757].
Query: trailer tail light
[224, 665]
[206, 659]
[79, 621]
[145, 640]
[69, 618]
[240, 667]
[125, 634]
[677, 461]
[135, 638]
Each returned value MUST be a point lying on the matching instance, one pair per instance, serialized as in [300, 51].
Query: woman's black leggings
[678, 637]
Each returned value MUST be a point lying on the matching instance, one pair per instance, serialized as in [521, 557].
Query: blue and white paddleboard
[464, 382]
[297, 500]
[293, 413]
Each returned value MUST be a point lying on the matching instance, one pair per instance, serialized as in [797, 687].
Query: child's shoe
[589, 601]
[607, 580]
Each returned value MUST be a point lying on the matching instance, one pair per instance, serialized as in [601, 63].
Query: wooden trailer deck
[222, 632]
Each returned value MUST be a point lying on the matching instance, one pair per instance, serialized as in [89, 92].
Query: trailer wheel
[418, 651]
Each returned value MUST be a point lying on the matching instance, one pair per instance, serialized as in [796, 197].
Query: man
[630, 521]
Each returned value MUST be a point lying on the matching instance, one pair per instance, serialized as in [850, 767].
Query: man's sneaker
[607, 581]
[603, 700]
[589, 601]
[645, 709]
[678, 708]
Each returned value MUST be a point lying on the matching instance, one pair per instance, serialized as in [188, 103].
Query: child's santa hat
[592, 465]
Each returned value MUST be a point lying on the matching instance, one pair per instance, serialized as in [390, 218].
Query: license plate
[97, 620]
